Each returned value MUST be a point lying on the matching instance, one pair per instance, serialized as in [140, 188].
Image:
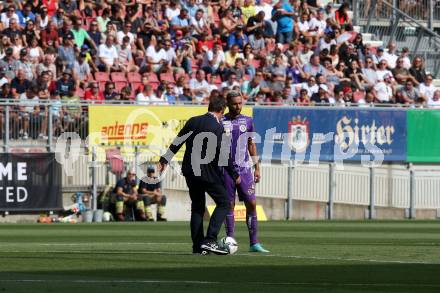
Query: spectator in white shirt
[199, 86]
[404, 54]
[382, 70]
[126, 33]
[199, 24]
[172, 10]
[212, 59]
[156, 57]
[231, 82]
[427, 89]
[310, 86]
[125, 56]
[370, 72]
[383, 90]
[8, 15]
[108, 55]
[435, 101]
[303, 28]
[3, 78]
[147, 96]
[304, 56]
[325, 43]
[318, 23]
[391, 56]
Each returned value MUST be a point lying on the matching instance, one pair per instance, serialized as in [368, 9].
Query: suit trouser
[217, 191]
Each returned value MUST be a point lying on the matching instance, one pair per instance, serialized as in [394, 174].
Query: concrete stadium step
[357, 28]
[325, 2]
[366, 37]
[375, 44]
[436, 82]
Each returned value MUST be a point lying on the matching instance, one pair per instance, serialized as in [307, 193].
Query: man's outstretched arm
[175, 146]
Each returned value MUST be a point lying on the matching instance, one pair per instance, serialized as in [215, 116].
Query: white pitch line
[340, 259]
[303, 257]
[95, 252]
[94, 243]
[197, 282]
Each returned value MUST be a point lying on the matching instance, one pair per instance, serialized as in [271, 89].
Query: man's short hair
[217, 104]
[232, 94]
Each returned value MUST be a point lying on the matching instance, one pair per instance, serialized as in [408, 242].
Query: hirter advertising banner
[313, 134]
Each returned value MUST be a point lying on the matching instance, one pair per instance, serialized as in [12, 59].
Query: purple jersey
[240, 130]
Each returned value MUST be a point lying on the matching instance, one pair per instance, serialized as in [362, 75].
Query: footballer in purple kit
[239, 128]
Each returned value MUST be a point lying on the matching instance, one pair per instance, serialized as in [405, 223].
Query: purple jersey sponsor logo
[239, 130]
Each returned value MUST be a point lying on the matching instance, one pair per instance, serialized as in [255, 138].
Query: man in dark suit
[204, 156]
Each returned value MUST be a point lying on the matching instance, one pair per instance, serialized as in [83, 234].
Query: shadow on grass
[265, 278]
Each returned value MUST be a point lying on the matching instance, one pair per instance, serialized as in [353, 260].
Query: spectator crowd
[167, 52]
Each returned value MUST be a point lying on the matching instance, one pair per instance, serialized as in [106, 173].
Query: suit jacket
[196, 149]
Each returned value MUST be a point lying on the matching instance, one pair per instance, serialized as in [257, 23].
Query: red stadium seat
[101, 76]
[37, 150]
[195, 64]
[88, 21]
[154, 85]
[115, 161]
[119, 85]
[168, 77]
[102, 85]
[133, 77]
[17, 150]
[152, 77]
[79, 92]
[135, 86]
[118, 76]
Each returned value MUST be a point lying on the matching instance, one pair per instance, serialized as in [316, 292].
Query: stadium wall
[310, 190]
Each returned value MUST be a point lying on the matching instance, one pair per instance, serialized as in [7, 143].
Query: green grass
[401, 256]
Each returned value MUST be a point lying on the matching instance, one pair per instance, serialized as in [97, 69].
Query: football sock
[119, 207]
[251, 222]
[140, 205]
[230, 224]
[161, 209]
[149, 211]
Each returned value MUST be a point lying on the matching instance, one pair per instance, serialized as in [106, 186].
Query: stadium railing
[20, 126]
[389, 22]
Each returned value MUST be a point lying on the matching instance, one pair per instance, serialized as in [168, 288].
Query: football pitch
[340, 256]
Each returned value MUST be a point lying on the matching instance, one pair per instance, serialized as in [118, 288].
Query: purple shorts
[245, 190]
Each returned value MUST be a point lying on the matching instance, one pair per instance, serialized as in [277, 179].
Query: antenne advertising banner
[151, 127]
[314, 134]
